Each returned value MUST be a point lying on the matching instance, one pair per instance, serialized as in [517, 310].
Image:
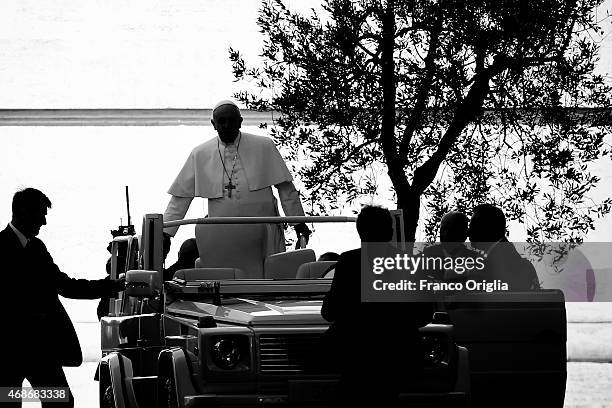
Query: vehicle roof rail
[216, 289]
[260, 220]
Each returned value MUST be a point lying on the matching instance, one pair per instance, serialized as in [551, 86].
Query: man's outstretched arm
[74, 288]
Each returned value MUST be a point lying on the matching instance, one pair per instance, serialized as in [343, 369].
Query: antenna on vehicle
[129, 228]
[127, 200]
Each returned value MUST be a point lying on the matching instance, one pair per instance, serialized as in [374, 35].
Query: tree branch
[570, 28]
[422, 93]
[337, 168]
[388, 85]
[466, 112]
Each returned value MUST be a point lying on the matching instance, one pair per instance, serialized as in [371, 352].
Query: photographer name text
[425, 285]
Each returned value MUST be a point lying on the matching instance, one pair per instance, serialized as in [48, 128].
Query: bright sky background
[131, 54]
[135, 53]
[127, 54]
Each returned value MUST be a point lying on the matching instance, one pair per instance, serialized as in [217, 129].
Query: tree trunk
[410, 203]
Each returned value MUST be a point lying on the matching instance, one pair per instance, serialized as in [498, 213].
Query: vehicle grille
[282, 354]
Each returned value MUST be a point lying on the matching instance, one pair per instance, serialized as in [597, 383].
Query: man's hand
[120, 283]
[301, 230]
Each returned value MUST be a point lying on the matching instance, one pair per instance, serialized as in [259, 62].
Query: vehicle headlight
[434, 350]
[228, 352]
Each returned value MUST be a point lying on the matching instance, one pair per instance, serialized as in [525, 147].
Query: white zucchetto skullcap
[225, 102]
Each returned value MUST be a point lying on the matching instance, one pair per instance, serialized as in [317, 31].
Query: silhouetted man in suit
[371, 340]
[487, 232]
[453, 233]
[38, 337]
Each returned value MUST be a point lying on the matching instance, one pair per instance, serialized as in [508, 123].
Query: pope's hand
[301, 230]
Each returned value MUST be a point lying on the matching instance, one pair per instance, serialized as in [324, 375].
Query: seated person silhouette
[329, 256]
[487, 232]
[187, 255]
[361, 333]
[453, 233]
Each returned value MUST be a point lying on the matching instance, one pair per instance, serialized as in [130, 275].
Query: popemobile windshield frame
[153, 232]
[151, 240]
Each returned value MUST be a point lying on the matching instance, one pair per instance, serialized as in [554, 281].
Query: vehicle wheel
[166, 395]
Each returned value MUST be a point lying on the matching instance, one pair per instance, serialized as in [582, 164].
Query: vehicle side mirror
[140, 283]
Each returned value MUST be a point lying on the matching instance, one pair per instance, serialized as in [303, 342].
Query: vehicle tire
[166, 392]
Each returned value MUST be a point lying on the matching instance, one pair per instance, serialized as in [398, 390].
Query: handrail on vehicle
[215, 289]
[260, 220]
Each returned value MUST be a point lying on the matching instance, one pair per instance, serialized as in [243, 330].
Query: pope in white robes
[235, 172]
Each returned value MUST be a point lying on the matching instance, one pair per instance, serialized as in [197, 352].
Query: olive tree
[459, 101]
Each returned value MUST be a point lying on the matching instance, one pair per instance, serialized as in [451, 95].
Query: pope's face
[227, 121]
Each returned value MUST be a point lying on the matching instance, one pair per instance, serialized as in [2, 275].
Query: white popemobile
[239, 330]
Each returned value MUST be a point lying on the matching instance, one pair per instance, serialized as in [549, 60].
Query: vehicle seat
[121, 374]
[284, 265]
[238, 246]
[313, 270]
[198, 274]
[516, 341]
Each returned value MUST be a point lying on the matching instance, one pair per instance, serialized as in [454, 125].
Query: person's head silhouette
[329, 256]
[374, 224]
[188, 253]
[30, 211]
[488, 224]
[454, 227]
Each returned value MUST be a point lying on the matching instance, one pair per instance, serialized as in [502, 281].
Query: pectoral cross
[229, 187]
